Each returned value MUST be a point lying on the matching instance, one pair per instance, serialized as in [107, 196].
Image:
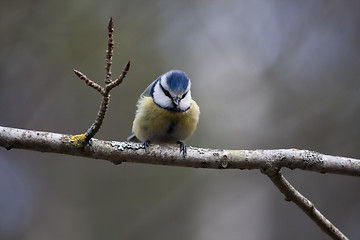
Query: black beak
[176, 100]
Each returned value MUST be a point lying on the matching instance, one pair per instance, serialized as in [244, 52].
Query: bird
[166, 112]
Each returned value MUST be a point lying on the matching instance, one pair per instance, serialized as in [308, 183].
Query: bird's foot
[183, 148]
[146, 144]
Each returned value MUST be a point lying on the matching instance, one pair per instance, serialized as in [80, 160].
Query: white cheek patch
[185, 103]
[160, 98]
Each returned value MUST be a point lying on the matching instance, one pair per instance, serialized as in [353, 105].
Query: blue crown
[177, 80]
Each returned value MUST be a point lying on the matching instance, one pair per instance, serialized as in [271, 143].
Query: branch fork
[82, 139]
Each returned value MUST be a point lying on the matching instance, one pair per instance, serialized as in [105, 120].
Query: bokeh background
[266, 74]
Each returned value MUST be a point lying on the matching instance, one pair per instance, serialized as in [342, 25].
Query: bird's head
[172, 91]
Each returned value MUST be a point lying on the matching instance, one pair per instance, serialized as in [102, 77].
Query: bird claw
[146, 144]
[183, 148]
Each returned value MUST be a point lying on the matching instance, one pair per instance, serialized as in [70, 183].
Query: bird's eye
[166, 92]
[184, 95]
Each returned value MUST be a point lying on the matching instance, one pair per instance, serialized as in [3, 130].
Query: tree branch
[82, 139]
[109, 51]
[291, 194]
[118, 152]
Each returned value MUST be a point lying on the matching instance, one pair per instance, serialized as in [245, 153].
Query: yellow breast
[155, 124]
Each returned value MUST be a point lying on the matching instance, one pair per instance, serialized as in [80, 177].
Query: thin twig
[119, 79]
[105, 91]
[291, 194]
[89, 82]
[109, 52]
[94, 128]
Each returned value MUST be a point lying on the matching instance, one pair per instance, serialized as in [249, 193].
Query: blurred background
[266, 74]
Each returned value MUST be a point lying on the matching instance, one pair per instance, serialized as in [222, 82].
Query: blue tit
[166, 112]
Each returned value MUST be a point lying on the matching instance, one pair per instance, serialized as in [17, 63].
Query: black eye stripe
[166, 92]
